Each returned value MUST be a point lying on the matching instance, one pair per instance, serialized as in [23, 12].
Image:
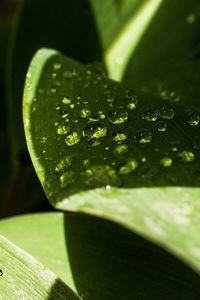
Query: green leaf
[69, 27]
[36, 234]
[101, 254]
[98, 148]
[172, 37]
[22, 276]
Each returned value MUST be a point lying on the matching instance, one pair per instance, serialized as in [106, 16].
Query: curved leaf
[98, 148]
[21, 276]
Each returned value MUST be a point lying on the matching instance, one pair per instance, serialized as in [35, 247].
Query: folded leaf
[99, 148]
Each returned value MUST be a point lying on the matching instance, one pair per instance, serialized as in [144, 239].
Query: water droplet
[121, 149]
[61, 130]
[85, 113]
[1, 272]
[162, 126]
[143, 136]
[57, 107]
[72, 139]
[28, 75]
[72, 106]
[64, 163]
[70, 74]
[193, 119]
[166, 113]
[64, 114]
[54, 75]
[191, 18]
[102, 116]
[143, 159]
[86, 163]
[67, 178]
[186, 156]
[101, 175]
[53, 89]
[57, 66]
[131, 106]
[110, 98]
[150, 115]
[166, 162]
[95, 130]
[66, 100]
[119, 136]
[130, 166]
[94, 142]
[118, 116]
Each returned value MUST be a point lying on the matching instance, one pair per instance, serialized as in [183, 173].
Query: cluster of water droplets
[100, 133]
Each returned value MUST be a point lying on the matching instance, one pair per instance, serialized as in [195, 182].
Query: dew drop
[119, 136]
[131, 106]
[53, 90]
[186, 156]
[57, 107]
[57, 66]
[162, 126]
[118, 116]
[193, 119]
[1, 272]
[72, 106]
[64, 163]
[95, 130]
[143, 159]
[86, 163]
[121, 149]
[67, 178]
[110, 98]
[85, 113]
[150, 115]
[143, 136]
[101, 175]
[166, 162]
[72, 139]
[94, 142]
[54, 75]
[66, 100]
[70, 74]
[130, 166]
[61, 130]
[166, 113]
[64, 114]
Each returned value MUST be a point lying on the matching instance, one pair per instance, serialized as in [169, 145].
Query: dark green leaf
[96, 150]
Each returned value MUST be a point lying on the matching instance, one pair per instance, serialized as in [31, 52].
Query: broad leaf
[98, 148]
[23, 277]
[107, 261]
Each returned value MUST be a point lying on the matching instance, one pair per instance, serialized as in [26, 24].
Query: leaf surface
[101, 254]
[100, 149]
[21, 276]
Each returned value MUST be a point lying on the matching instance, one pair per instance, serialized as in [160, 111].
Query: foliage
[111, 118]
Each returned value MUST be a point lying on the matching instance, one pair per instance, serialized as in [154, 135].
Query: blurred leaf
[107, 261]
[172, 37]
[22, 276]
[98, 148]
[68, 27]
[36, 234]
